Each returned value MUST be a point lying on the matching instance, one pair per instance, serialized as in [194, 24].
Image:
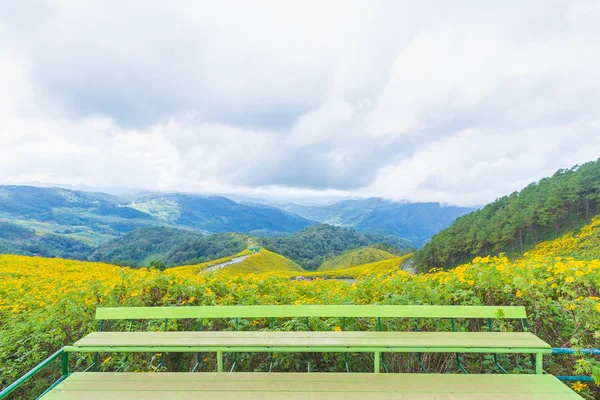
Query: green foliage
[171, 246]
[220, 215]
[353, 258]
[15, 239]
[417, 222]
[513, 224]
[379, 268]
[261, 262]
[315, 244]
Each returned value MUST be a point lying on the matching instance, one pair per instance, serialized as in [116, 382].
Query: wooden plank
[167, 395]
[293, 311]
[335, 386]
[312, 377]
[314, 339]
[301, 349]
[328, 386]
[302, 334]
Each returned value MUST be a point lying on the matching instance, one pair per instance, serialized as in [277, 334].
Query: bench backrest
[301, 311]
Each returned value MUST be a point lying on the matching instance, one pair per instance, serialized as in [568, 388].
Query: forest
[513, 224]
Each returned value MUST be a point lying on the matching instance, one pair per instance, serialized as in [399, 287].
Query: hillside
[513, 224]
[168, 245]
[417, 222]
[255, 263]
[558, 282]
[194, 269]
[315, 244]
[16, 239]
[261, 262]
[218, 214]
[95, 218]
[353, 258]
[89, 217]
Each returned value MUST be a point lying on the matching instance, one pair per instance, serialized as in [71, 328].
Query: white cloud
[458, 103]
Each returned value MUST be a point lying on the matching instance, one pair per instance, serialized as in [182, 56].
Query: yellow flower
[337, 329]
[598, 307]
[578, 386]
[191, 299]
[570, 307]
[471, 282]
[579, 273]
[569, 279]
[107, 359]
[519, 293]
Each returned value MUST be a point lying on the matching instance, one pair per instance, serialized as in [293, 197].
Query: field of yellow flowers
[48, 303]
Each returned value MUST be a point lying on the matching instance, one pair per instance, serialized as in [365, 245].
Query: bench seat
[302, 386]
[497, 342]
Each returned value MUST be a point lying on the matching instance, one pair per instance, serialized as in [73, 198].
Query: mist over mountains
[136, 228]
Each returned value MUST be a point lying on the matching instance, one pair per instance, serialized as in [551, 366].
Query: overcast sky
[458, 102]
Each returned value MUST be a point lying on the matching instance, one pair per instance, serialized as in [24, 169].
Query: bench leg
[219, 361]
[376, 358]
[64, 364]
[539, 363]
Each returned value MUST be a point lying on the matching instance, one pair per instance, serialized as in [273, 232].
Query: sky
[458, 102]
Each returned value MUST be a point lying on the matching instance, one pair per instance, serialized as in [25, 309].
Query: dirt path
[408, 266]
[234, 260]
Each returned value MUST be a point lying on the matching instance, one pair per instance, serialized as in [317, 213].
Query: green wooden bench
[311, 341]
[178, 385]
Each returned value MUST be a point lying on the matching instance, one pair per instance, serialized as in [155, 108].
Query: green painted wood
[167, 395]
[518, 379]
[301, 334]
[303, 349]
[379, 340]
[291, 311]
[121, 386]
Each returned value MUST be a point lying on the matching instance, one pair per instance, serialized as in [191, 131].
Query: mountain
[513, 224]
[353, 258]
[261, 262]
[16, 239]
[167, 245]
[86, 216]
[95, 218]
[218, 214]
[417, 222]
[310, 247]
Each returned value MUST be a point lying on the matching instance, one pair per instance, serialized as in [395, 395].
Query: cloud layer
[423, 101]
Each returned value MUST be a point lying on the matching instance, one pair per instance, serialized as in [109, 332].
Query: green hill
[417, 222]
[261, 262]
[382, 267]
[353, 258]
[513, 224]
[314, 245]
[218, 214]
[16, 239]
[98, 217]
[169, 245]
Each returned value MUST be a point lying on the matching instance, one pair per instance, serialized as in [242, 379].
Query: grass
[264, 261]
[353, 258]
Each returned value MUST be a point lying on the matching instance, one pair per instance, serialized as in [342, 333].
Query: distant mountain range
[98, 217]
[60, 222]
[417, 222]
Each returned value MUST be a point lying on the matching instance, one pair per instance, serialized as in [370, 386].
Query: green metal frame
[64, 363]
[285, 311]
[308, 311]
[377, 350]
